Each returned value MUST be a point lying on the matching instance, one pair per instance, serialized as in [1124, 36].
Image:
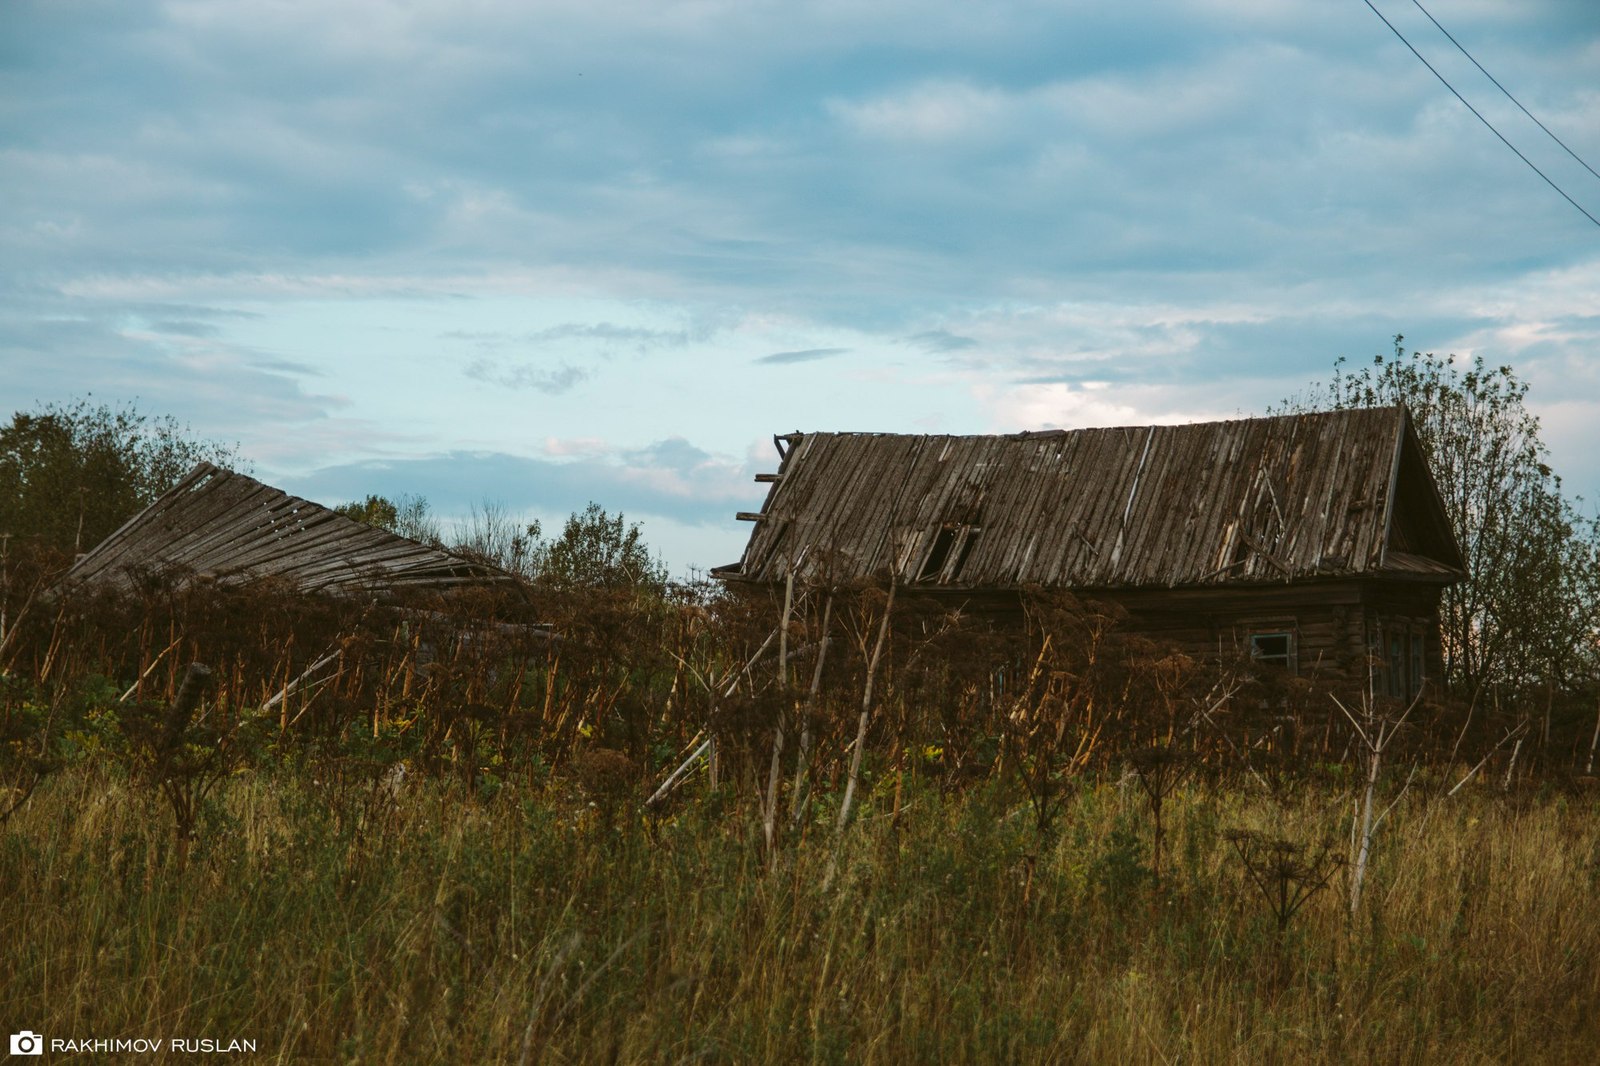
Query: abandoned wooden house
[222, 526]
[1316, 543]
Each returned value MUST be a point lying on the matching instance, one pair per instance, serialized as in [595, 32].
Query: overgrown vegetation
[415, 832]
[594, 548]
[617, 818]
[70, 474]
[338, 923]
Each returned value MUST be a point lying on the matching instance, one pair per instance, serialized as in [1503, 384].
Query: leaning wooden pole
[769, 820]
[677, 775]
[866, 712]
[803, 760]
[709, 748]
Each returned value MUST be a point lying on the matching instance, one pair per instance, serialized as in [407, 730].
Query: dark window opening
[1241, 552]
[966, 550]
[954, 540]
[1273, 649]
[942, 543]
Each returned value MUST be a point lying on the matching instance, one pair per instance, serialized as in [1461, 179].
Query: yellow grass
[335, 925]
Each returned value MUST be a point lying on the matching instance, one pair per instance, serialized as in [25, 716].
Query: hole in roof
[943, 541]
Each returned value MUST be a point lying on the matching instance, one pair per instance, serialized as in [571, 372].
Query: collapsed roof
[1342, 493]
[224, 526]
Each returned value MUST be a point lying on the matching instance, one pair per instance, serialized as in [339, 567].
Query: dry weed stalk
[181, 758]
[769, 806]
[1286, 874]
[1162, 769]
[803, 760]
[719, 688]
[854, 780]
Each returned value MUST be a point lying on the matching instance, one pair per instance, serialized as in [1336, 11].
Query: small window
[1404, 659]
[1396, 663]
[1273, 649]
[967, 544]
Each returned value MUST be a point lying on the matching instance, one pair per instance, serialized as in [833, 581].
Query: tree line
[1525, 618]
[72, 473]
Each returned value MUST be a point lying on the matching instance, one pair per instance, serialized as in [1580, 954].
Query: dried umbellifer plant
[1287, 874]
[1161, 769]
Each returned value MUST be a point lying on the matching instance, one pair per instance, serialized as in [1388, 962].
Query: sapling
[1375, 731]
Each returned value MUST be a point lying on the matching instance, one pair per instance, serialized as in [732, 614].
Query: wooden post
[1511, 766]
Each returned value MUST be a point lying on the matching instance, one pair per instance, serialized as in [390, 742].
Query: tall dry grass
[433, 849]
[423, 925]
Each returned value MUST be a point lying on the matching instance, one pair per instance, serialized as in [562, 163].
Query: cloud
[806, 355]
[550, 381]
[882, 161]
[940, 340]
[240, 213]
[185, 328]
[933, 112]
[575, 447]
[671, 479]
[190, 374]
[607, 336]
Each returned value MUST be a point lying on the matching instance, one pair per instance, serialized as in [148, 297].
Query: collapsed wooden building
[222, 526]
[1317, 543]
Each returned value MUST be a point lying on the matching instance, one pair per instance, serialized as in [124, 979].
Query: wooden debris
[226, 527]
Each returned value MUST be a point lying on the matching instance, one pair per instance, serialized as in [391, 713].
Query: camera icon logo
[27, 1042]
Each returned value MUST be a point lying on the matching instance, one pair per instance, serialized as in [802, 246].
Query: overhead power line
[1503, 89]
[1445, 82]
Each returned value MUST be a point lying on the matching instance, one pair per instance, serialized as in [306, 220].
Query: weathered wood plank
[223, 525]
[1250, 501]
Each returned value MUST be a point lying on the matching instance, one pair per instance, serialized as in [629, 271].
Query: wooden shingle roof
[227, 527]
[1262, 499]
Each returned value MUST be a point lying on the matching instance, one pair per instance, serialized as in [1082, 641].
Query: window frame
[1288, 659]
[1403, 651]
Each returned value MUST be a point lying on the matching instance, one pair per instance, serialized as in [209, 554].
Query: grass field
[331, 921]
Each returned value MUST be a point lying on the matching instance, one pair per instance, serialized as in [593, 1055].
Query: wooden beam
[751, 516]
[767, 479]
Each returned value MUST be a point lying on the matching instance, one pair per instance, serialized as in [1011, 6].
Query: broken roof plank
[1262, 499]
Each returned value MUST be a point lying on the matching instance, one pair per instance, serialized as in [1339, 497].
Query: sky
[535, 253]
